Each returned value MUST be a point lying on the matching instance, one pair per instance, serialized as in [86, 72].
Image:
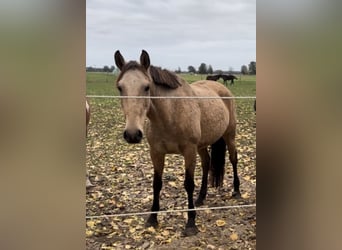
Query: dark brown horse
[230, 78]
[185, 126]
[213, 77]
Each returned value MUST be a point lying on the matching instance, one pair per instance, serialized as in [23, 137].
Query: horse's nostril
[125, 135]
[139, 134]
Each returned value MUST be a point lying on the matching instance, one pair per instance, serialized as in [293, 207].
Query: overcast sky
[175, 33]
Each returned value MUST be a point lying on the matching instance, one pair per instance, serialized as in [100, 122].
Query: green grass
[99, 83]
[104, 84]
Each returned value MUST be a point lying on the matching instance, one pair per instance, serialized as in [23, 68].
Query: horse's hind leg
[230, 140]
[205, 159]
[158, 165]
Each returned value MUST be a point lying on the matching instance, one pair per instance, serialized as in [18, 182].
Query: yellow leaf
[172, 184]
[90, 224]
[245, 195]
[128, 221]
[151, 230]
[247, 178]
[89, 233]
[220, 223]
[165, 233]
[234, 236]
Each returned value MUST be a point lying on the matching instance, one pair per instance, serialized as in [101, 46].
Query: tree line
[202, 69]
[103, 69]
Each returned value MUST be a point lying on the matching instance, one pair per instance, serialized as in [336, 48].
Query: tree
[178, 70]
[210, 69]
[112, 68]
[191, 69]
[244, 70]
[106, 69]
[218, 72]
[252, 68]
[202, 69]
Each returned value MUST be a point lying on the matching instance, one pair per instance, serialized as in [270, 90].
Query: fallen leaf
[234, 236]
[128, 221]
[247, 178]
[89, 233]
[90, 224]
[172, 184]
[220, 223]
[151, 230]
[245, 196]
[165, 233]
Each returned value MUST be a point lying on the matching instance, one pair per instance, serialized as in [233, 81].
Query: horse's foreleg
[190, 163]
[205, 159]
[158, 165]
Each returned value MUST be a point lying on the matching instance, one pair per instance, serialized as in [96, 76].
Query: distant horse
[88, 183]
[178, 126]
[213, 77]
[227, 78]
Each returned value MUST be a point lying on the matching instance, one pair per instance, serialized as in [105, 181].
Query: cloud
[177, 32]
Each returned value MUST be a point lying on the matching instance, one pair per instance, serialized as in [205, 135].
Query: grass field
[99, 83]
[122, 174]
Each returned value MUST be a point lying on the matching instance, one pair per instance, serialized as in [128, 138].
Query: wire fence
[171, 97]
[169, 211]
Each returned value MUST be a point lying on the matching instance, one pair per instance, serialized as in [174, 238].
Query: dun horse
[178, 126]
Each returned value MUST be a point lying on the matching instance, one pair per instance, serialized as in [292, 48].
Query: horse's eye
[120, 89]
[147, 88]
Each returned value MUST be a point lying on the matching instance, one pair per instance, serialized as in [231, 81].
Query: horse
[213, 77]
[88, 182]
[226, 78]
[178, 126]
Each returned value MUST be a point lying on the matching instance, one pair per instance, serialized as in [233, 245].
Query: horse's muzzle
[133, 136]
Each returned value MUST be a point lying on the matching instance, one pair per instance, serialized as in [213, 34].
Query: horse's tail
[218, 160]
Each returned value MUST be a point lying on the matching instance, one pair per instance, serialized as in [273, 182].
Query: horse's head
[134, 80]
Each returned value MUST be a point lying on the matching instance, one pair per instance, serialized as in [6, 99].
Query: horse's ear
[119, 60]
[144, 59]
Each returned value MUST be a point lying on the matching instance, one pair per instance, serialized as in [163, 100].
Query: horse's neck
[158, 109]
[162, 109]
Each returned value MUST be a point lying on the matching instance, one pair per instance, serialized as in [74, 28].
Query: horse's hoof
[236, 195]
[151, 222]
[190, 231]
